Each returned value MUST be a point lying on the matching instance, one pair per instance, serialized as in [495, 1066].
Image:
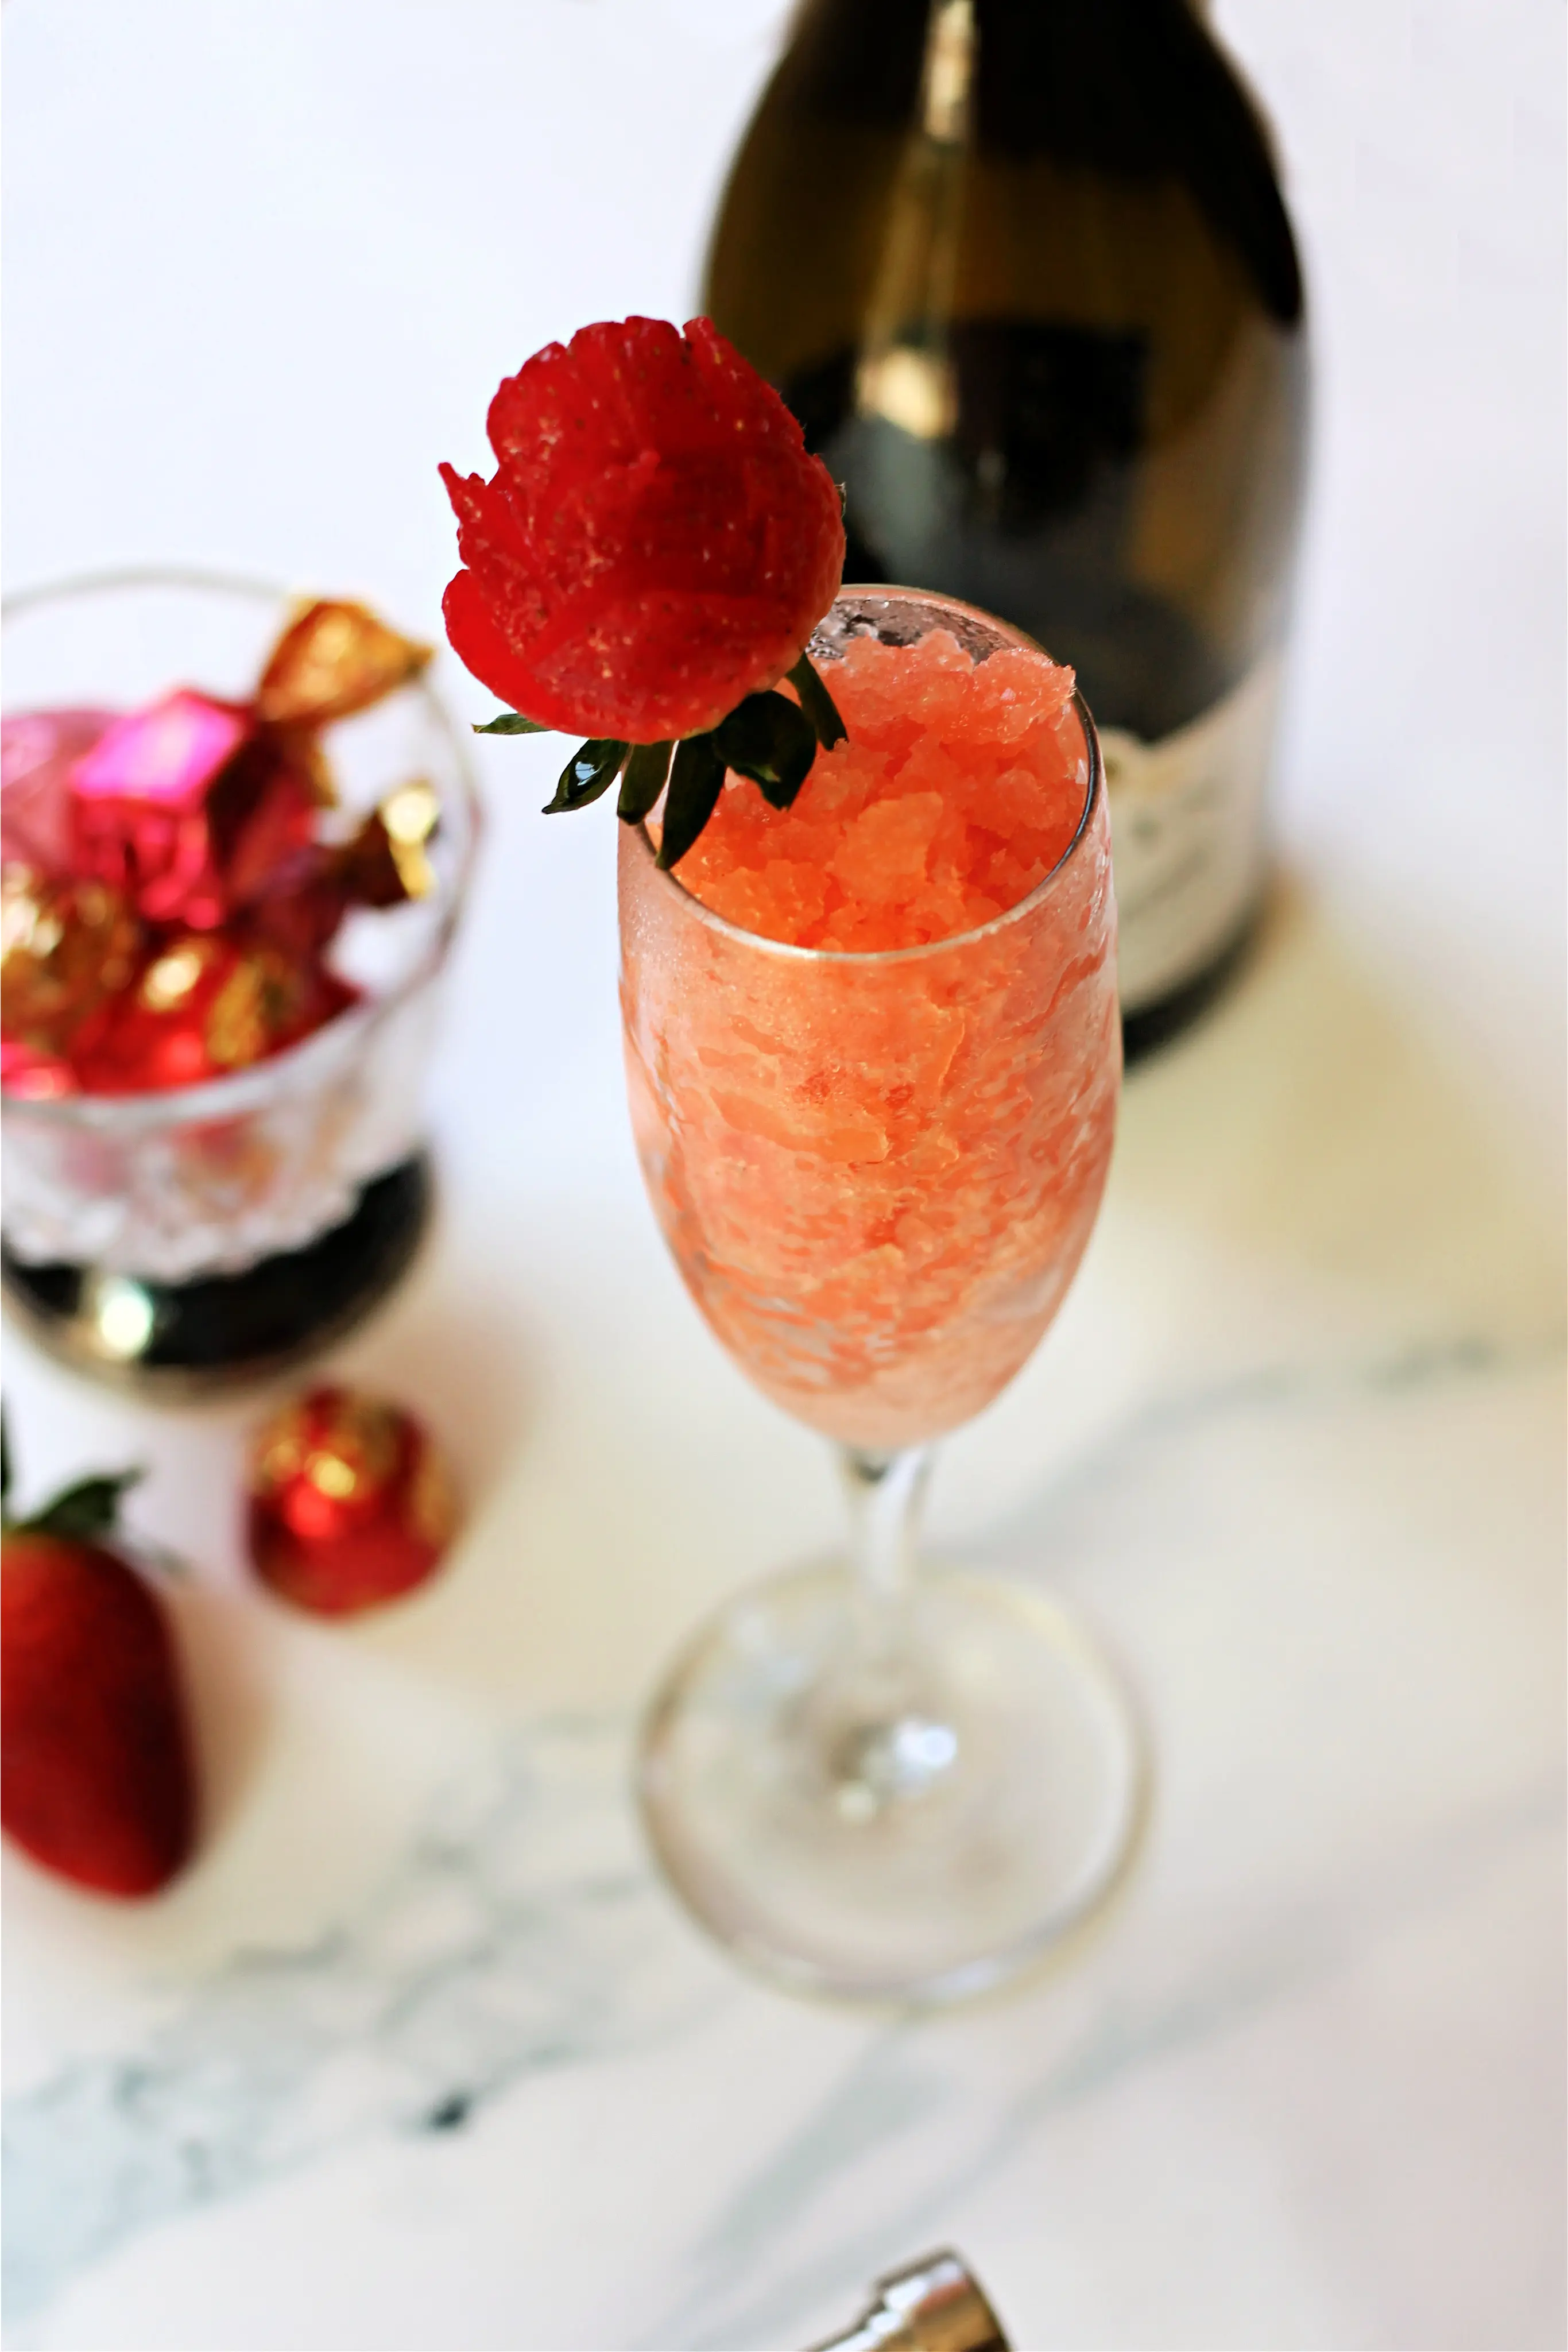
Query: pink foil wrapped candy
[187, 809]
[39, 750]
[139, 818]
[35, 1077]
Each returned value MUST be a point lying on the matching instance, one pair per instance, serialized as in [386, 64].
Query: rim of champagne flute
[1092, 797]
[241, 1090]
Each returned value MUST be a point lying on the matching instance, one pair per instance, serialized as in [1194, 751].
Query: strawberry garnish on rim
[644, 568]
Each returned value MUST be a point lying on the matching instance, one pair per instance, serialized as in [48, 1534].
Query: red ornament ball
[656, 543]
[350, 1503]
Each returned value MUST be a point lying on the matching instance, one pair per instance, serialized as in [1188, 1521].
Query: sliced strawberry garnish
[655, 544]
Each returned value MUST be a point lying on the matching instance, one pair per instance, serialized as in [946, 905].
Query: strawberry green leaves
[587, 773]
[818, 704]
[770, 739]
[697, 780]
[86, 1512]
[767, 738]
[642, 781]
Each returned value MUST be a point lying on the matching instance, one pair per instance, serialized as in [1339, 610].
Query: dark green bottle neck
[1132, 89]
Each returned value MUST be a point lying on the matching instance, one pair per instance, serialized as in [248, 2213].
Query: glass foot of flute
[908, 1798]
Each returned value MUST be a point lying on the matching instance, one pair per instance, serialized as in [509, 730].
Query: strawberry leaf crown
[766, 737]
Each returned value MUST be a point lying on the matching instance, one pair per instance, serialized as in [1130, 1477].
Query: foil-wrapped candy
[67, 949]
[206, 1003]
[35, 1077]
[185, 808]
[384, 862]
[389, 858]
[333, 659]
[172, 883]
[349, 1502]
[39, 750]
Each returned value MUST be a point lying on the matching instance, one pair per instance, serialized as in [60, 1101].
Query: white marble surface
[421, 2057]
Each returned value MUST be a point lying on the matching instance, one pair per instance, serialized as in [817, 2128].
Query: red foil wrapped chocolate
[384, 862]
[187, 809]
[348, 1503]
[204, 1005]
[138, 814]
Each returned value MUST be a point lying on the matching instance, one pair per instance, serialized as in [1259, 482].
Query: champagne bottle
[1022, 270]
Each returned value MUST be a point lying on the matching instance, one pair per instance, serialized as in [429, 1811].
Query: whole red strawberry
[96, 1779]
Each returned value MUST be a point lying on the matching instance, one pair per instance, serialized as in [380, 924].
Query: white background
[1296, 1441]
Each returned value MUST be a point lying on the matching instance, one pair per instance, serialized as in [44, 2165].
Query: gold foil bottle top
[949, 72]
[929, 2305]
[904, 373]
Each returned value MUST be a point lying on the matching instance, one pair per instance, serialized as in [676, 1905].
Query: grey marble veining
[898, 2083]
[1434, 1362]
[522, 1930]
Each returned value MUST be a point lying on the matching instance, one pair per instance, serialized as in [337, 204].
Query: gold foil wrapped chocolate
[333, 659]
[66, 948]
[388, 859]
[204, 1005]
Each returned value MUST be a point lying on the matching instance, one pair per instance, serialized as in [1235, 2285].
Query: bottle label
[1186, 834]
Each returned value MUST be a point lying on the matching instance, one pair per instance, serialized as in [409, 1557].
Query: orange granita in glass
[960, 787]
[878, 1171]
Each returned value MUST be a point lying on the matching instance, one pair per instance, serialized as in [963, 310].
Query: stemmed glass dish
[180, 1241]
[877, 1173]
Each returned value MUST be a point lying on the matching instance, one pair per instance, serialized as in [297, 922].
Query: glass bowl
[213, 1233]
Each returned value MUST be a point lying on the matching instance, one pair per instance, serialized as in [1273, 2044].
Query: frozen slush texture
[960, 786]
[878, 1173]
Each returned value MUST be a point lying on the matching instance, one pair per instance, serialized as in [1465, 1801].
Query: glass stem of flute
[886, 1493]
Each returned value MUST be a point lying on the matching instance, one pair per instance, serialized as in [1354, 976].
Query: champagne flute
[877, 1173]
